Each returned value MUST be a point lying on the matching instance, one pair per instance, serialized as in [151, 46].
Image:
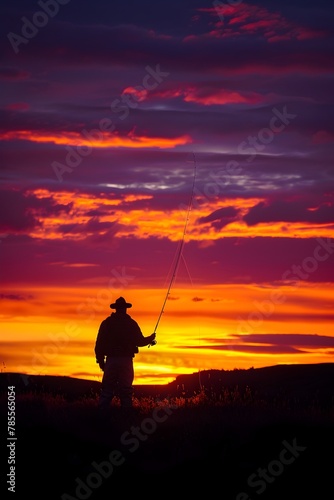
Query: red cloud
[322, 137]
[139, 94]
[13, 74]
[221, 96]
[18, 106]
[251, 19]
[209, 96]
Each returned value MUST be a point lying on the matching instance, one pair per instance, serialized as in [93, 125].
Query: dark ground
[238, 435]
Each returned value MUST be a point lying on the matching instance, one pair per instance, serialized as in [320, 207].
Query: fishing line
[179, 253]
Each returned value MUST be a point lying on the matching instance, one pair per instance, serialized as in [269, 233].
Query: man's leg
[108, 384]
[126, 376]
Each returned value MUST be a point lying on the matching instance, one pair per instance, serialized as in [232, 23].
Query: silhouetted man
[117, 342]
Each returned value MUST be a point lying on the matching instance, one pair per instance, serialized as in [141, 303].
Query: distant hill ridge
[302, 378]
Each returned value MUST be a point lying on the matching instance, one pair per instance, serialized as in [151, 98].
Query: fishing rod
[179, 254]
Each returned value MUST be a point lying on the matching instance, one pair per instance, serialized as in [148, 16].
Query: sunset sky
[111, 113]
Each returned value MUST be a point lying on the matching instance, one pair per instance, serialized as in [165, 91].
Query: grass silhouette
[212, 433]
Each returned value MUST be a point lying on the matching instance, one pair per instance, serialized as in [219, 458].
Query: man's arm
[142, 341]
[147, 340]
[100, 346]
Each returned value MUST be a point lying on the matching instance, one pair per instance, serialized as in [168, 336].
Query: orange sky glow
[201, 328]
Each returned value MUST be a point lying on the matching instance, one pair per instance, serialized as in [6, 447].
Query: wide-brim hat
[120, 303]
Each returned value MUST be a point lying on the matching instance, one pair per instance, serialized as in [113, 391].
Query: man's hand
[152, 339]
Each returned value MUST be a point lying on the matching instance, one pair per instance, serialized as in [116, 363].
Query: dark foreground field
[236, 435]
